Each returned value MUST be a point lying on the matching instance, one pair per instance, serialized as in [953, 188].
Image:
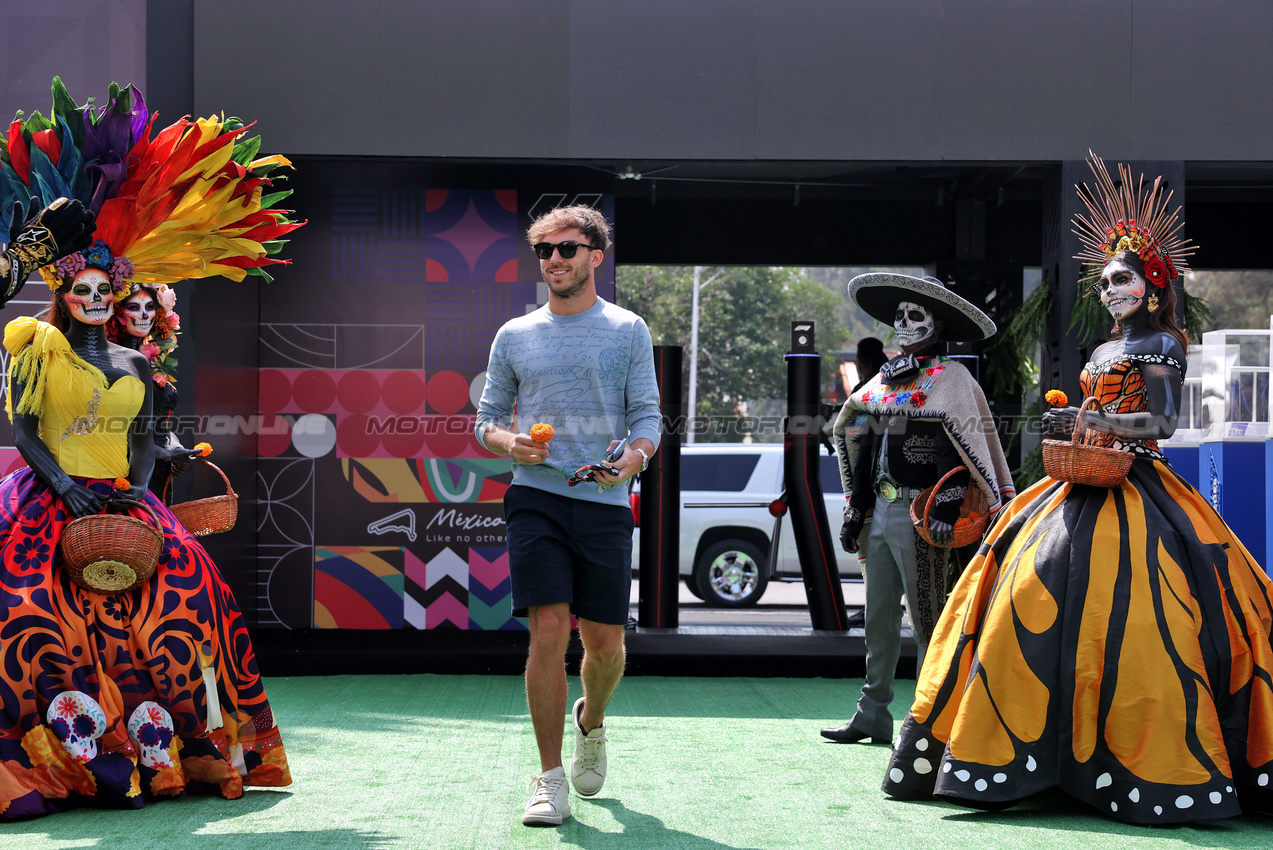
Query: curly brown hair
[587, 220]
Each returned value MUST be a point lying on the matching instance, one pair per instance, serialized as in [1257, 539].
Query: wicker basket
[112, 553]
[1080, 463]
[212, 515]
[974, 503]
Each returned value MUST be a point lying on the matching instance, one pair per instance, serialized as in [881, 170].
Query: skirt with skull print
[1112, 642]
[121, 697]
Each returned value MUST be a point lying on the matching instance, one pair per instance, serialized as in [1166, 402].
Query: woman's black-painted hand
[81, 501]
[1059, 421]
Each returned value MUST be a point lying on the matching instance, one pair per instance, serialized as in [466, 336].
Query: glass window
[829, 471]
[717, 472]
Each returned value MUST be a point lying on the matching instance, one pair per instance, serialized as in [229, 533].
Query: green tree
[745, 318]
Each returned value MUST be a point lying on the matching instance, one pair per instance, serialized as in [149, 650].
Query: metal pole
[802, 478]
[658, 589]
[698, 275]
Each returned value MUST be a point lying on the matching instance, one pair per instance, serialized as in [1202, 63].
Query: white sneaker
[548, 805]
[588, 765]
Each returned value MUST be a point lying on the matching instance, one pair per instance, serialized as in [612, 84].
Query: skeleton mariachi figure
[921, 417]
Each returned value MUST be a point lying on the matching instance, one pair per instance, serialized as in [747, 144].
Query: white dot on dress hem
[923, 766]
[946, 767]
[1216, 797]
[1184, 801]
[1103, 780]
[962, 775]
[922, 745]
[1113, 807]
[981, 785]
[1001, 777]
[1263, 780]
[1030, 764]
[1134, 796]
[896, 775]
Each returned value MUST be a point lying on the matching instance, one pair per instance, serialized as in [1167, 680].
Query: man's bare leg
[546, 678]
[601, 670]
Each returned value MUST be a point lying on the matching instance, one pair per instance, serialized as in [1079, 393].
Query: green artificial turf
[696, 763]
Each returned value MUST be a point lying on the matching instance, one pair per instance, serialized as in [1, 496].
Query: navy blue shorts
[568, 550]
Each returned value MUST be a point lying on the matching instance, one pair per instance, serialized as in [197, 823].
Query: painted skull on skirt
[77, 721]
[913, 324]
[150, 727]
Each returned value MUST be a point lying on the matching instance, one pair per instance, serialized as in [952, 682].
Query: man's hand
[38, 237]
[526, 451]
[849, 535]
[943, 533]
[628, 464]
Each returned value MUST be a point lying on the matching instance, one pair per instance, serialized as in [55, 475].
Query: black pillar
[659, 585]
[803, 483]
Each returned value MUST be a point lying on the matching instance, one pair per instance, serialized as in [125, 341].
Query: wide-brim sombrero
[879, 293]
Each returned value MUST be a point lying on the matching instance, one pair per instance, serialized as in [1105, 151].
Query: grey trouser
[889, 572]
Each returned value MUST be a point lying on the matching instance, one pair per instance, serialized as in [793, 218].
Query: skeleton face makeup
[89, 299]
[1122, 288]
[913, 324]
[139, 310]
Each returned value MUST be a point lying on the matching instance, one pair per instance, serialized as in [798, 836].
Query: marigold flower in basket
[203, 449]
[121, 484]
[1056, 398]
[541, 432]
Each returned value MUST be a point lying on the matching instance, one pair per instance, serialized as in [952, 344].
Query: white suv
[726, 527]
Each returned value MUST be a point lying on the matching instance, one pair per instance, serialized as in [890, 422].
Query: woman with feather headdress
[110, 689]
[1113, 641]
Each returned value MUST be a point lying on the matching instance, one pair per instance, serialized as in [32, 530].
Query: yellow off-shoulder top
[84, 420]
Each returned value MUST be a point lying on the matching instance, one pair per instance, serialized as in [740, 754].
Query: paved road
[784, 604]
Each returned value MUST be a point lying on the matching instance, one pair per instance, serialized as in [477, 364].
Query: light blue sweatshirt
[590, 376]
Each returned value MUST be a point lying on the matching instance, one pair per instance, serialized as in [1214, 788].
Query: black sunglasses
[567, 249]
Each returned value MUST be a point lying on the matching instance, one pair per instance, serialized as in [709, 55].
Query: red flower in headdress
[1156, 272]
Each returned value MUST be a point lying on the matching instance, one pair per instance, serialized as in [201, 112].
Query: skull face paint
[1122, 288]
[913, 324]
[89, 299]
[139, 313]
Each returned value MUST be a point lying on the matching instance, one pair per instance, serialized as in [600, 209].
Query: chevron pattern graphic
[490, 590]
[439, 590]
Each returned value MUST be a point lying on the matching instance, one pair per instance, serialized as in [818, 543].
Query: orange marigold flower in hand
[541, 432]
[203, 449]
[121, 484]
[1056, 398]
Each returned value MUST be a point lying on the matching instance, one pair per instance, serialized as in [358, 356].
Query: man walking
[585, 367]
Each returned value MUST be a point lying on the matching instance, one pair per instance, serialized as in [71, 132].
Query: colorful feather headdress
[1124, 216]
[189, 202]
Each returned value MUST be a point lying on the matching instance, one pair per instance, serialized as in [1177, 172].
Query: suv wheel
[731, 574]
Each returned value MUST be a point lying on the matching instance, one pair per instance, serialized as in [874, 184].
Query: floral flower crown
[1124, 216]
[97, 256]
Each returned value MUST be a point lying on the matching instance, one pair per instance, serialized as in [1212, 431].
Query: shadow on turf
[639, 830]
[182, 821]
[1054, 809]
